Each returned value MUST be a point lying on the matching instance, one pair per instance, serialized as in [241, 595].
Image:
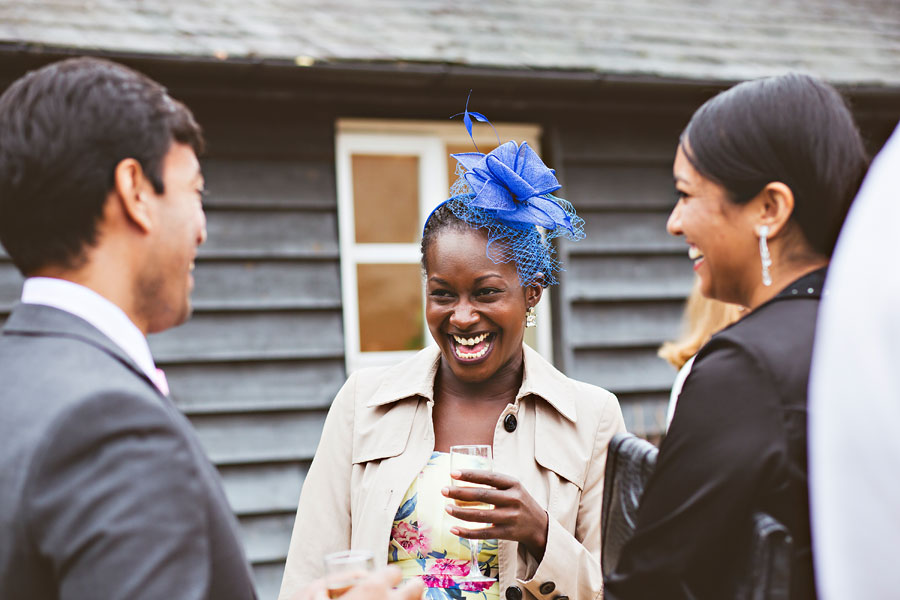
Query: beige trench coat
[379, 434]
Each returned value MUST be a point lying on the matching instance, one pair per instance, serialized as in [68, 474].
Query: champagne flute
[345, 569]
[477, 457]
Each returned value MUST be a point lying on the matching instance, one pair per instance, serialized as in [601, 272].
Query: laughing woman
[380, 480]
[764, 176]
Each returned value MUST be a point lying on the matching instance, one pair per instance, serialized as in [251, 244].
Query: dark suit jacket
[105, 492]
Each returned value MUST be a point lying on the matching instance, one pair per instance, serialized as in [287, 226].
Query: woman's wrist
[538, 544]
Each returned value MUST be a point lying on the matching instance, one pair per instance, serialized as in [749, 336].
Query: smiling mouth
[695, 255]
[472, 348]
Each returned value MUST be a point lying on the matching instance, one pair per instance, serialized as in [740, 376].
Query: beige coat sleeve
[323, 522]
[572, 562]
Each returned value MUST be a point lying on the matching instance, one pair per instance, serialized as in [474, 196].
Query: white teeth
[694, 253]
[467, 356]
[461, 342]
[470, 341]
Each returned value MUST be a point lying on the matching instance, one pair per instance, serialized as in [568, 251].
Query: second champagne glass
[345, 569]
[472, 457]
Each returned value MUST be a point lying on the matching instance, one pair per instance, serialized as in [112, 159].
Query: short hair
[64, 128]
[792, 128]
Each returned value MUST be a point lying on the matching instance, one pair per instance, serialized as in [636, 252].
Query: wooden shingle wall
[626, 282]
[257, 366]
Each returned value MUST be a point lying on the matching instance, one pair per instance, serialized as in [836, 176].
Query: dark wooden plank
[617, 139]
[264, 128]
[264, 437]
[599, 325]
[628, 277]
[623, 370]
[602, 185]
[267, 538]
[249, 183]
[626, 232]
[251, 234]
[255, 386]
[263, 489]
[251, 336]
[237, 284]
[246, 284]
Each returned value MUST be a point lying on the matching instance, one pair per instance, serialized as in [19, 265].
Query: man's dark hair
[792, 128]
[63, 130]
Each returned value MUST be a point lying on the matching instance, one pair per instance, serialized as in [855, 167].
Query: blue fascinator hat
[508, 192]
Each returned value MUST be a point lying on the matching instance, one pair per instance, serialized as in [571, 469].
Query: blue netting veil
[526, 244]
[507, 193]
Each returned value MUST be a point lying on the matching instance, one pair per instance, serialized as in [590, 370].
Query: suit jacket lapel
[40, 320]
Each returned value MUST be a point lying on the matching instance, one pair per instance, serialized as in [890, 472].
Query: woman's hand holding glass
[379, 585]
[515, 514]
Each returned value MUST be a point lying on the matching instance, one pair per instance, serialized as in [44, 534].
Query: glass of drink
[345, 569]
[472, 457]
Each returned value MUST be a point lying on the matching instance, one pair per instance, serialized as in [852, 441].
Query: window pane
[390, 307]
[386, 198]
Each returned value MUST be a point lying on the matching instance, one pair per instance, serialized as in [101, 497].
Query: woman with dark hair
[764, 176]
[381, 477]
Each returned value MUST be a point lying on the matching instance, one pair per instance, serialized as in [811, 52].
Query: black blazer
[105, 491]
[737, 444]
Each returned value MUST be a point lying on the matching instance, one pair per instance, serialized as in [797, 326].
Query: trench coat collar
[415, 376]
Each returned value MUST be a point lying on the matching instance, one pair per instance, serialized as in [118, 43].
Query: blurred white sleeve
[854, 412]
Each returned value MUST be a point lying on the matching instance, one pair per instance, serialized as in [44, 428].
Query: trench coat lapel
[555, 411]
[384, 427]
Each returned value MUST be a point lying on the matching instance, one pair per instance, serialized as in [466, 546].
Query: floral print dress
[422, 545]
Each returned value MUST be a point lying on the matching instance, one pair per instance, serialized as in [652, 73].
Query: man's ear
[775, 205]
[130, 191]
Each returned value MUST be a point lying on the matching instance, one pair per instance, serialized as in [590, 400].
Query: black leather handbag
[768, 567]
[630, 462]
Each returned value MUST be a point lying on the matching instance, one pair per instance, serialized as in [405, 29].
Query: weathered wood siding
[257, 366]
[626, 282]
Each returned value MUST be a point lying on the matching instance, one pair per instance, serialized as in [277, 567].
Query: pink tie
[161, 382]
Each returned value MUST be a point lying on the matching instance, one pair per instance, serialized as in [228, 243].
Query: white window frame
[428, 141]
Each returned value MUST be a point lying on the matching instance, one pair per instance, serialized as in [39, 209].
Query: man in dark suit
[105, 491]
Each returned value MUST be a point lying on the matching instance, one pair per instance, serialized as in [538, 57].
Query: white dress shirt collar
[96, 310]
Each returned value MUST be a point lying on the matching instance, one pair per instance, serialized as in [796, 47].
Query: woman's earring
[764, 255]
[530, 317]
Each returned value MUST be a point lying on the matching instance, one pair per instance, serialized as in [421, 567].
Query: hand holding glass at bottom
[350, 576]
[345, 569]
[472, 457]
[494, 505]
